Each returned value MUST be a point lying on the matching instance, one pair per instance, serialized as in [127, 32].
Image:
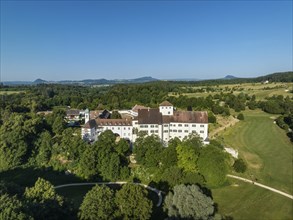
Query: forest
[31, 139]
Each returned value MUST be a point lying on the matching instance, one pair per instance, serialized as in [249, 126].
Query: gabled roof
[113, 122]
[166, 103]
[137, 107]
[90, 124]
[187, 117]
[150, 116]
[72, 112]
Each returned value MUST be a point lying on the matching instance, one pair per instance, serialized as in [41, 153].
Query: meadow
[260, 90]
[268, 153]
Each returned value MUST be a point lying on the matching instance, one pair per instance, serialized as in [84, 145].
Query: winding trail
[261, 185]
[158, 192]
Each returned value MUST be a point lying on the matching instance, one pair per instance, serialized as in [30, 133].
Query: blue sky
[56, 40]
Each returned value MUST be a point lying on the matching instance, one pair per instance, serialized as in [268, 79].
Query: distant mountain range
[276, 77]
[84, 82]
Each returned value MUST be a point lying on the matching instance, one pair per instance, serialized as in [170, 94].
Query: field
[261, 91]
[9, 92]
[268, 153]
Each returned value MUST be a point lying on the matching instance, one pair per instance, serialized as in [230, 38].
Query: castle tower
[166, 108]
[86, 116]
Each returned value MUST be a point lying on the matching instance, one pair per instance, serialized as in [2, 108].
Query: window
[168, 113]
[152, 126]
[156, 131]
[118, 128]
[174, 130]
[186, 131]
[201, 126]
[179, 125]
[112, 128]
[124, 128]
[165, 131]
[193, 125]
[201, 132]
[128, 128]
[165, 125]
[152, 131]
[186, 125]
[179, 130]
[156, 126]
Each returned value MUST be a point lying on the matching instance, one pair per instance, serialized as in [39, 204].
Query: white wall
[166, 110]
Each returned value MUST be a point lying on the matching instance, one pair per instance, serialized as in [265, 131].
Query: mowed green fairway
[268, 152]
[245, 201]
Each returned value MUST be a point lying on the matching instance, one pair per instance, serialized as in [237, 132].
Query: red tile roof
[166, 103]
[137, 107]
[187, 117]
[114, 122]
[150, 116]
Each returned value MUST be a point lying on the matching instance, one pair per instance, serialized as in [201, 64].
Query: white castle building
[165, 122]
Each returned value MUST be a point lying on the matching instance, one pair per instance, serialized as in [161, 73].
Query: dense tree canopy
[98, 203]
[189, 202]
[132, 202]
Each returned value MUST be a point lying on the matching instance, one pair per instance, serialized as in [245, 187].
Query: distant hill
[39, 81]
[230, 77]
[274, 77]
[84, 82]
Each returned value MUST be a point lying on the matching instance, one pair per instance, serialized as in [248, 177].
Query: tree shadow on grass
[27, 176]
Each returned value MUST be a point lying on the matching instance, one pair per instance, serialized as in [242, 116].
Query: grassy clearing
[28, 176]
[261, 91]
[266, 149]
[245, 201]
[268, 153]
[10, 92]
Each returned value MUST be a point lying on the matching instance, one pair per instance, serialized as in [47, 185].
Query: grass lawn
[266, 149]
[261, 91]
[268, 153]
[242, 200]
[74, 193]
[10, 92]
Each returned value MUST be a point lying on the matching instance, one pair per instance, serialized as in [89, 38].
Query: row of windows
[169, 107]
[113, 128]
[154, 131]
[146, 126]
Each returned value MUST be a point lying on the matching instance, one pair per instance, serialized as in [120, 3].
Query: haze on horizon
[74, 40]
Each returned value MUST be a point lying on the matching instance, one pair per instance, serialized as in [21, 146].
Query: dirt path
[261, 185]
[231, 121]
[158, 192]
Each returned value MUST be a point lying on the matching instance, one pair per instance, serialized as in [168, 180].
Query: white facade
[163, 122]
[167, 110]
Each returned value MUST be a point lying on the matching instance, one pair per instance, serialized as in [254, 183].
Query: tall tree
[189, 202]
[98, 203]
[132, 202]
[212, 165]
[12, 208]
[45, 203]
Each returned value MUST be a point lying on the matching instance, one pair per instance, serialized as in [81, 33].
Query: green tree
[88, 164]
[189, 202]
[187, 158]
[212, 165]
[45, 149]
[58, 125]
[115, 115]
[98, 203]
[12, 208]
[132, 202]
[239, 166]
[147, 150]
[240, 116]
[45, 203]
